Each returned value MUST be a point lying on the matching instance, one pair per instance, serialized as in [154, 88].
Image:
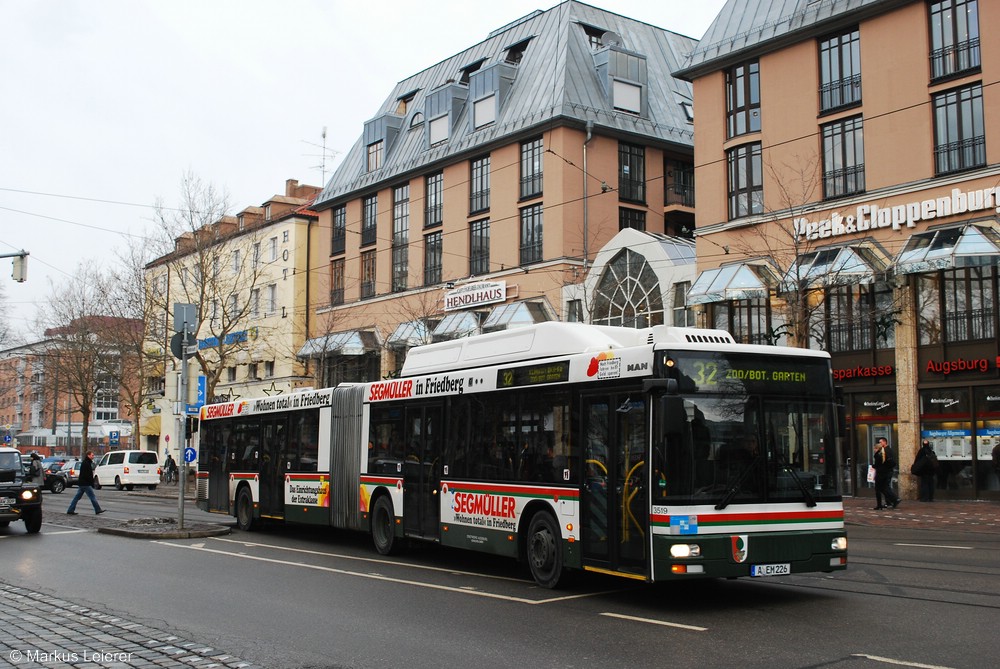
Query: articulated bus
[653, 454]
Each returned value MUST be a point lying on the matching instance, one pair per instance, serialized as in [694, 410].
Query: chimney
[291, 185]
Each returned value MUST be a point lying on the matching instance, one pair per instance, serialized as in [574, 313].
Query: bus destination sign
[733, 373]
[513, 377]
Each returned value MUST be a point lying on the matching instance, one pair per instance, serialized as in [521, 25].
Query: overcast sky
[107, 103]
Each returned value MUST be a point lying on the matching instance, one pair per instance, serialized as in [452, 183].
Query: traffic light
[20, 272]
[190, 426]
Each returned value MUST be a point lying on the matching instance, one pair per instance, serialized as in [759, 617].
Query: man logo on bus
[739, 547]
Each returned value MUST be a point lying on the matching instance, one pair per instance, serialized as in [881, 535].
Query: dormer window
[484, 112]
[403, 102]
[623, 74]
[594, 36]
[515, 52]
[488, 88]
[438, 130]
[375, 154]
[469, 69]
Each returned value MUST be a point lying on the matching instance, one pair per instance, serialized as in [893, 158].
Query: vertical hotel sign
[475, 295]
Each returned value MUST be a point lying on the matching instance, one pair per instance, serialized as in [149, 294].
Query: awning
[969, 245]
[457, 324]
[516, 315]
[350, 342]
[409, 334]
[743, 281]
[150, 425]
[835, 266]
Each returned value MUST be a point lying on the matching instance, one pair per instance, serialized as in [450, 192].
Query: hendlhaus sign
[475, 295]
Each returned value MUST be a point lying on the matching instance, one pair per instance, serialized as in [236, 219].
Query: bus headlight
[839, 544]
[685, 551]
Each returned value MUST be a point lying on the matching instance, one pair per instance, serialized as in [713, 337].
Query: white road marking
[374, 576]
[653, 621]
[901, 663]
[955, 548]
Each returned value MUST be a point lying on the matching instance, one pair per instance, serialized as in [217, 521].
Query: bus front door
[615, 503]
[273, 466]
[421, 471]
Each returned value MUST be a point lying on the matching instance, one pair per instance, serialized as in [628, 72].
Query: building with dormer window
[483, 188]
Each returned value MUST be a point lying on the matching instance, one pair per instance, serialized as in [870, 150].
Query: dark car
[20, 499]
[54, 480]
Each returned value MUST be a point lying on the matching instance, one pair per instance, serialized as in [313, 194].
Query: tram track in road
[894, 591]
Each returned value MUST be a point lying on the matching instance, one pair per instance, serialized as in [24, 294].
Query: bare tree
[808, 271]
[211, 260]
[126, 299]
[76, 355]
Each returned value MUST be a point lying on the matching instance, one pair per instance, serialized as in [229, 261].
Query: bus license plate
[770, 569]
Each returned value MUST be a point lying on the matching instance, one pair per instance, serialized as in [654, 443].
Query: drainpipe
[586, 222]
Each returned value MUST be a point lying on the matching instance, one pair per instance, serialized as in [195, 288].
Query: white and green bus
[652, 454]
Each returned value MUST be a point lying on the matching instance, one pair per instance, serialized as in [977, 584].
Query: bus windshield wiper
[806, 495]
[735, 488]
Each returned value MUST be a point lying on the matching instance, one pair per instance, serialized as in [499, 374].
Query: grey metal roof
[556, 79]
[747, 26]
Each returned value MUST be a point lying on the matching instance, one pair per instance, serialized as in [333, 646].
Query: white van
[126, 469]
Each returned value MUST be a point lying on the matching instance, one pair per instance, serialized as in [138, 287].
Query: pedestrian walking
[170, 469]
[925, 467]
[85, 485]
[884, 465]
[36, 472]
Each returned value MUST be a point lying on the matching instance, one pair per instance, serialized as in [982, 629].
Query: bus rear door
[614, 498]
[421, 471]
[273, 466]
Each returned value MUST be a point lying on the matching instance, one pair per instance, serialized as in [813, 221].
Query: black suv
[19, 499]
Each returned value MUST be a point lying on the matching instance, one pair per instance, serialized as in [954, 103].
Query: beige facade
[894, 182]
[248, 282]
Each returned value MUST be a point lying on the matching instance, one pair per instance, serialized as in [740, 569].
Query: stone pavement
[46, 631]
[955, 515]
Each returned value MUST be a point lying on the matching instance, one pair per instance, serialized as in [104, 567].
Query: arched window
[628, 293]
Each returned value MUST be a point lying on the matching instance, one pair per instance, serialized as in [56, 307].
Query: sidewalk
[139, 528]
[962, 515]
[46, 631]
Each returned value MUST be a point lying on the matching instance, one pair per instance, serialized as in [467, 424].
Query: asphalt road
[305, 598]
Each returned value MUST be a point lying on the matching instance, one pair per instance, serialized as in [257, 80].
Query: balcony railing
[962, 155]
[432, 216]
[955, 58]
[531, 253]
[338, 245]
[841, 93]
[369, 235]
[846, 181]
[337, 296]
[479, 201]
[682, 194]
[971, 325]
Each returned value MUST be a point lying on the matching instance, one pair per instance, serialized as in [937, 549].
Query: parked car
[52, 466]
[127, 469]
[70, 472]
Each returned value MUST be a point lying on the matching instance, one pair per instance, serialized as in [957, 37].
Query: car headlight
[28, 495]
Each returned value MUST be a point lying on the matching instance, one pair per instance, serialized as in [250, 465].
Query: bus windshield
[740, 444]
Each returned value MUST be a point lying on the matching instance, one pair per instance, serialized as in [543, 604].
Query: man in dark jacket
[884, 464]
[925, 467]
[85, 484]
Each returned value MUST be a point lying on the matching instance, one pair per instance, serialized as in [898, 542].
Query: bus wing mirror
[660, 386]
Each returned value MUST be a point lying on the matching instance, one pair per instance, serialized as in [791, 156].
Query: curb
[200, 533]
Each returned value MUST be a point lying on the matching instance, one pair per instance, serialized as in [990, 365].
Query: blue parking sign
[113, 437]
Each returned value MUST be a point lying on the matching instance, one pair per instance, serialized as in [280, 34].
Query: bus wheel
[383, 526]
[544, 554]
[244, 510]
